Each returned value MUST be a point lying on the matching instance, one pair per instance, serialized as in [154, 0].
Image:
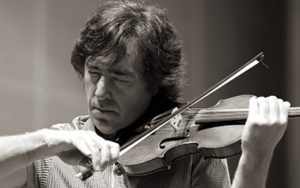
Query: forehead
[130, 61]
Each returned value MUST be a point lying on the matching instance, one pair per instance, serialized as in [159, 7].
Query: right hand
[85, 148]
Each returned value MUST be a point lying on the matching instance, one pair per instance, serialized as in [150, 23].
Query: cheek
[138, 103]
[89, 90]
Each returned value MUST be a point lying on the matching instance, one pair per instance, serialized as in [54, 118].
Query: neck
[111, 137]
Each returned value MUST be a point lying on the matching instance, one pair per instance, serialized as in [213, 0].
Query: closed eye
[94, 74]
[126, 79]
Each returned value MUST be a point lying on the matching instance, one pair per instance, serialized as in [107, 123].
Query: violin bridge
[176, 120]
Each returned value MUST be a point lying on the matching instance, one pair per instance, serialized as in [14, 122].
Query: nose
[103, 88]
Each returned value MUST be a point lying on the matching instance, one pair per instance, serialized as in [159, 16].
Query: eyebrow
[122, 72]
[92, 64]
[115, 71]
[95, 65]
[98, 61]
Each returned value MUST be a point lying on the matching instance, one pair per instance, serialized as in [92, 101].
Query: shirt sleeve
[31, 177]
[37, 173]
[212, 173]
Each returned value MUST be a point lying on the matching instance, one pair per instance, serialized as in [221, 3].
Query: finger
[284, 108]
[114, 150]
[253, 108]
[93, 147]
[81, 146]
[274, 115]
[105, 156]
[97, 158]
[86, 162]
[263, 108]
[103, 150]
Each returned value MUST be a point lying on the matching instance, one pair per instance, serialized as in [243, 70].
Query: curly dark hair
[116, 23]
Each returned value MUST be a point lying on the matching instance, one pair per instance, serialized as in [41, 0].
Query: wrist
[257, 152]
[252, 170]
[256, 160]
[38, 141]
[56, 141]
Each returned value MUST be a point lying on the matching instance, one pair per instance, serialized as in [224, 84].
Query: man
[130, 60]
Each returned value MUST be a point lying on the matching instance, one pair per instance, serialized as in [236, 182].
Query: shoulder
[77, 124]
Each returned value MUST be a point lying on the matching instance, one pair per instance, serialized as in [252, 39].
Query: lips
[104, 115]
[103, 110]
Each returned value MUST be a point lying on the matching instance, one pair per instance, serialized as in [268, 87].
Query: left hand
[265, 126]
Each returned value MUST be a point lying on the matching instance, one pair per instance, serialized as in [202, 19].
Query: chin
[104, 126]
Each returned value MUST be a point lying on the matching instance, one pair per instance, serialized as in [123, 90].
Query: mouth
[106, 109]
[101, 112]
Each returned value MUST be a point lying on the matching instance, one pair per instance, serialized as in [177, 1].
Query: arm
[73, 147]
[15, 151]
[265, 126]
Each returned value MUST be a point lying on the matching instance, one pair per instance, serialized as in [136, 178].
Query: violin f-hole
[186, 135]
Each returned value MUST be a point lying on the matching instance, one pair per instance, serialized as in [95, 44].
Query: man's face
[117, 96]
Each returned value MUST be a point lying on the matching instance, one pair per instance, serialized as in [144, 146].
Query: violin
[213, 132]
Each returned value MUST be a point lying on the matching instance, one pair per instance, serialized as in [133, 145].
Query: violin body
[197, 132]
